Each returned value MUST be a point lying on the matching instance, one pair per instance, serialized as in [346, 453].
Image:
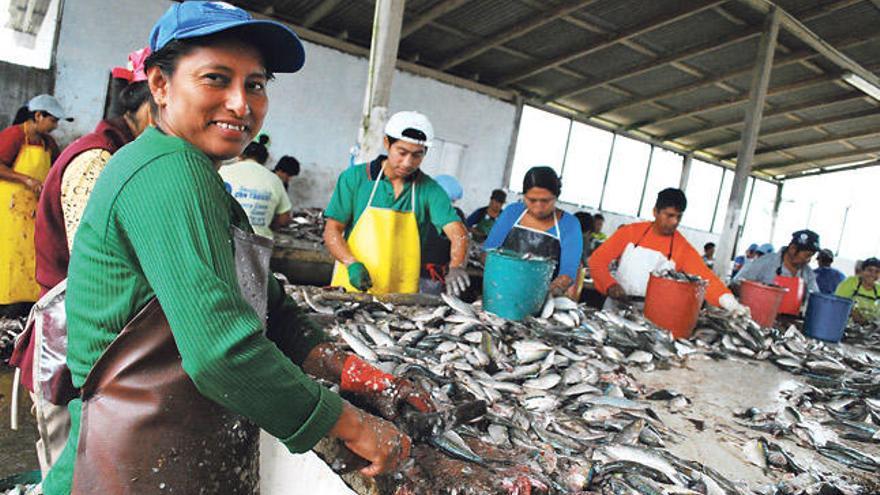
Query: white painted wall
[314, 114]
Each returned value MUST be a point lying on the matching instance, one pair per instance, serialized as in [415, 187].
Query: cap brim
[281, 47]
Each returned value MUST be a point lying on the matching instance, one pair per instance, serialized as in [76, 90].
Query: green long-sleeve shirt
[158, 225]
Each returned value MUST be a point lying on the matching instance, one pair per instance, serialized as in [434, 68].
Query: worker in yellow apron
[379, 210]
[21, 181]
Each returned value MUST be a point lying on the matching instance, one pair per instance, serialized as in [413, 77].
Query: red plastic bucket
[763, 300]
[674, 304]
[791, 301]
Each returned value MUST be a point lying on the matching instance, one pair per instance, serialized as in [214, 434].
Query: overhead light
[864, 86]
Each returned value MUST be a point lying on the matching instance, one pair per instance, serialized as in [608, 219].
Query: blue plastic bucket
[513, 286]
[827, 316]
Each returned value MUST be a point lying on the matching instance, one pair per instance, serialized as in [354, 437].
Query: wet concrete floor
[718, 388]
[17, 452]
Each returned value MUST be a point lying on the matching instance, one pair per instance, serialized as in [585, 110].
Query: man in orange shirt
[643, 247]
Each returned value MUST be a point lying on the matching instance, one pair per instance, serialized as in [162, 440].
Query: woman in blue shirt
[536, 226]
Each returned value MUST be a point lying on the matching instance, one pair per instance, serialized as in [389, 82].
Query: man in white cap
[380, 210]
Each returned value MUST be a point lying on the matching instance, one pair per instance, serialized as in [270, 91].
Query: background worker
[598, 237]
[789, 268]
[827, 277]
[643, 247]
[709, 254]
[482, 219]
[536, 226]
[65, 193]
[436, 246]
[741, 260]
[864, 290]
[259, 191]
[286, 168]
[379, 210]
[26, 153]
[175, 383]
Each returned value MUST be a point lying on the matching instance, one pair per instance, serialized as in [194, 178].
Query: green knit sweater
[158, 225]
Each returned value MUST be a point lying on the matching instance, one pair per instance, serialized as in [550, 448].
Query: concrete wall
[20, 84]
[314, 114]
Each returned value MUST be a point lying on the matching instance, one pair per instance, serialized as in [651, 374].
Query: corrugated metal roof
[677, 70]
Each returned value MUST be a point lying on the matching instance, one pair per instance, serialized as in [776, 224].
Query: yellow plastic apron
[387, 242]
[18, 208]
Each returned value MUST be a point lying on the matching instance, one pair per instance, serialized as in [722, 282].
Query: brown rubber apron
[146, 429]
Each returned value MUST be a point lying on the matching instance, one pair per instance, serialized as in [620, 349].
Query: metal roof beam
[814, 41]
[823, 171]
[785, 88]
[816, 142]
[320, 12]
[837, 156]
[513, 32]
[610, 40]
[809, 105]
[791, 58]
[423, 19]
[796, 127]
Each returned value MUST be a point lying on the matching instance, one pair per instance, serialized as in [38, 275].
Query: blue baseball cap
[451, 186]
[279, 45]
[752, 247]
[806, 240]
[766, 248]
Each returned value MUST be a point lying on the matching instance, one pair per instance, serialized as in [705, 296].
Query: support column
[746, 154]
[685, 172]
[511, 148]
[387, 23]
[776, 203]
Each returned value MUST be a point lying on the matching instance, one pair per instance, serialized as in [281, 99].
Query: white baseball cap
[402, 121]
[48, 104]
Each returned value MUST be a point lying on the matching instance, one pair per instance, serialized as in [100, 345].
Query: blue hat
[806, 240]
[279, 44]
[451, 186]
[765, 248]
[752, 247]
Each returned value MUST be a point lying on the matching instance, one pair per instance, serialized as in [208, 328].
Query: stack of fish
[307, 225]
[564, 408]
[10, 328]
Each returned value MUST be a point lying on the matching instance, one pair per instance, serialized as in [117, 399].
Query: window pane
[585, 165]
[757, 228]
[724, 201]
[702, 191]
[540, 141]
[665, 172]
[629, 162]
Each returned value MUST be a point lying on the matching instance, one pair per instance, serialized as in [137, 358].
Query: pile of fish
[307, 225]
[565, 414]
[10, 328]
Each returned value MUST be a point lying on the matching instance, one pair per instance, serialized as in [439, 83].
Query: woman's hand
[372, 438]
[34, 185]
[559, 285]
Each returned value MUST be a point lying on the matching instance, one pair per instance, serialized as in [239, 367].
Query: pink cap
[134, 71]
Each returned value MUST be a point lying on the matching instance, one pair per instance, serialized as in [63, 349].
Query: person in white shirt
[258, 190]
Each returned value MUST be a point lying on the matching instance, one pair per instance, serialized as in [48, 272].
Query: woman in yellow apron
[26, 152]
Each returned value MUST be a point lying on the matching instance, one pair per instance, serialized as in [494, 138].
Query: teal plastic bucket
[827, 316]
[515, 286]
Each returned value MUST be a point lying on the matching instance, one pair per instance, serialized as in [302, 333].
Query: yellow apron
[18, 208]
[387, 242]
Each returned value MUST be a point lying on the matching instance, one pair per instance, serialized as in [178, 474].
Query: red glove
[383, 391]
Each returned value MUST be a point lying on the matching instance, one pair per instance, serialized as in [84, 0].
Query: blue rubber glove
[359, 277]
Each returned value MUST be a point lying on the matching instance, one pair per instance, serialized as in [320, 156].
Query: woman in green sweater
[180, 340]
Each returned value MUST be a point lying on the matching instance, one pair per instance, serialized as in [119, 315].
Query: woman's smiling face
[215, 99]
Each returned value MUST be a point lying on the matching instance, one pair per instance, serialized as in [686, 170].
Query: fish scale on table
[563, 403]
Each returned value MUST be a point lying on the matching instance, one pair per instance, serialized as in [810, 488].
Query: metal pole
[742, 227]
[514, 135]
[685, 172]
[776, 204]
[645, 183]
[842, 230]
[746, 154]
[607, 169]
[387, 22]
[717, 200]
[565, 151]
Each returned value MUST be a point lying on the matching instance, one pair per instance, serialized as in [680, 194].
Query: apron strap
[375, 183]
[671, 241]
[558, 235]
